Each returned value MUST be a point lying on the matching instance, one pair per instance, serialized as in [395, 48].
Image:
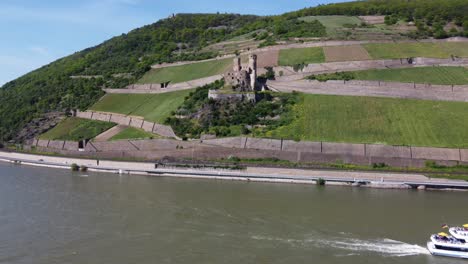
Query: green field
[152, 107]
[433, 75]
[183, 73]
[289, 57]
[133, 133]
[378, 120]
[407, 50]
[333, 23]
[76, 129]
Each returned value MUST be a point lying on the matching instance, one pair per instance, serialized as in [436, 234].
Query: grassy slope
[152, 107]
[290, 57]
[378, 120]
[405, 50]
[187, 72]
[332, 23]
[133, 133]
[76, 129]
[433, 75]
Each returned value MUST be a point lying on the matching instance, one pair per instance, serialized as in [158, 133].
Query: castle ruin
[243, 78]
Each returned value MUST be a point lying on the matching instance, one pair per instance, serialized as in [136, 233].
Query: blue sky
[34, 33]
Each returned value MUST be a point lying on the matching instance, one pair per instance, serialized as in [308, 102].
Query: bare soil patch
[346, 53]
[267, 58]
[372, 20]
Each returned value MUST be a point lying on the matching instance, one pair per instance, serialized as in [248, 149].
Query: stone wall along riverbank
[256, 148]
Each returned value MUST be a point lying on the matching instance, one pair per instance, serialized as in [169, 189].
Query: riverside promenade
[278, 175]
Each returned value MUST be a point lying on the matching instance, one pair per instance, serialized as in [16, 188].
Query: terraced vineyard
[432, 75]
[76, 129]
[378, 120]
[334, 23]
[183, 73]
[152, 107]
[346, 53]
[424, 49]
[288, 57]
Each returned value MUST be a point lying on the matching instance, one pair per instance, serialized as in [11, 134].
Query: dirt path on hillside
[108, 134]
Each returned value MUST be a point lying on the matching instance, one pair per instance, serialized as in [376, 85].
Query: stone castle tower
[243, 78]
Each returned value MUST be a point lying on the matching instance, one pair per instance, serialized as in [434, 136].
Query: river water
[57, 216]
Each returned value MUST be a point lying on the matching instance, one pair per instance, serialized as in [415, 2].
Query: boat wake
[385, 247]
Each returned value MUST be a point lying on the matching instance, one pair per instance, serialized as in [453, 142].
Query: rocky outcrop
[39, 126]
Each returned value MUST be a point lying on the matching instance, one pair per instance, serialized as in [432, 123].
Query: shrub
[440, 34]
[267, 42]
[320, 182]
[244, 130]
[270, 74]
[299, 67]
[379, 165]
[391, 20]
[345, 76]
[75, 167]
[234, 158]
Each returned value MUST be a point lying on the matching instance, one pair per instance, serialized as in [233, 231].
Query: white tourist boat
[445, 245]
[460, 232]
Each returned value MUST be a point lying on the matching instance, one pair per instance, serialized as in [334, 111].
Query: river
[58, 216]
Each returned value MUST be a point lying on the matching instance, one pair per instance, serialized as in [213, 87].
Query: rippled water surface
[56, 216]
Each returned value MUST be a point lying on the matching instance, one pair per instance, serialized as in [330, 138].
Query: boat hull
[446, 253]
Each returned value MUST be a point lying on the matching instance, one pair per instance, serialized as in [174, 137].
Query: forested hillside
[120, 61]
[124, 59]
[430, 16]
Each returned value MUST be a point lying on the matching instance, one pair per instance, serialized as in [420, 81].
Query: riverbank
[259, 174]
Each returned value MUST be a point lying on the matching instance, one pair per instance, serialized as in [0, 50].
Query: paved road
[393, 180]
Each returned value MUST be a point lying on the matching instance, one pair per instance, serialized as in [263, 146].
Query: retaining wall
[464, 155]
[120, 119]
[156, 87]
[56, 144]
[343, 149]
[388, 151]
[263, 143]
[435, 153]
[231, 142]
[162, 130]
[302, 146]
[302, 151]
